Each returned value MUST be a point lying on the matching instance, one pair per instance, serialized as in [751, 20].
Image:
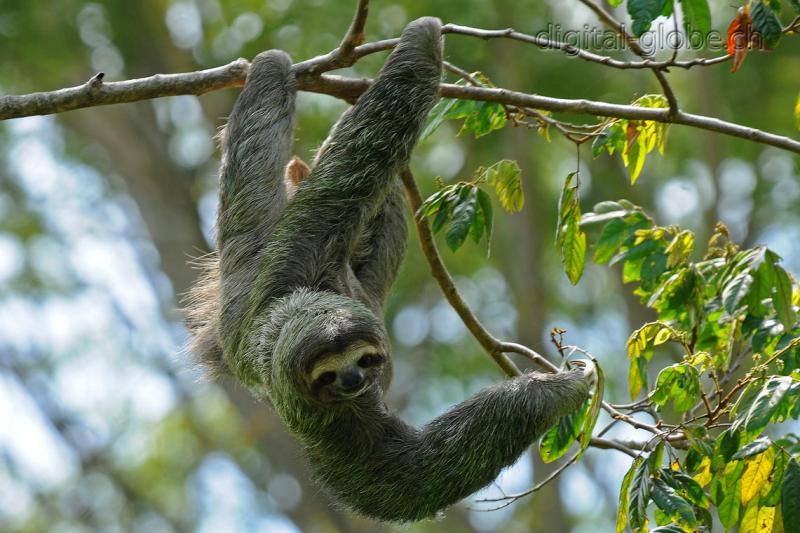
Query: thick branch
[233, 75]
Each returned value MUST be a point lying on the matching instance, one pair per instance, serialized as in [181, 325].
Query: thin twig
[609, 20]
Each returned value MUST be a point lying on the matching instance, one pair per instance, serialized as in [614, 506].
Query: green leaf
[767, 24]
[485, 204]
[735, 291]
[573, 249]
[669, 528]
[673, 503]
[558, 439]
[488, 117]
[437, 115]
[640, 492]
[643, 13]
[594, 411]
[790, 496]
[566, 205]
[753, 448]
[611, 238]
[463, 218]
[796, 6]
[622, 507]
[506, 177]
[686, 486]
[696, 17]
[679, 383]
[570, 238]
[766, 403]
[728, 508]
[783, 298]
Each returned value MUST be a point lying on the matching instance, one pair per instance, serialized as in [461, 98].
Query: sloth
[292, 301]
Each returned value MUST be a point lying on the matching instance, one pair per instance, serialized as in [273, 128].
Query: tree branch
[492, 345]
[96, 93]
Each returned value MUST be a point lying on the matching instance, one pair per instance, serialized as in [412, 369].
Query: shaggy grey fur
[305, 278]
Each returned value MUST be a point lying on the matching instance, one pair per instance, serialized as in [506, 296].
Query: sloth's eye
[326, 378]
[369, 360]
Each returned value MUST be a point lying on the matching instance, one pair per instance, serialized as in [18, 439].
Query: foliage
[467, 208]
[634, 139]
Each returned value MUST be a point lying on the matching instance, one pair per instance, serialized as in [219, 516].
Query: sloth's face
[347, 374]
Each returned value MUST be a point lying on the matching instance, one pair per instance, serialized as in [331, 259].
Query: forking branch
[312, 77]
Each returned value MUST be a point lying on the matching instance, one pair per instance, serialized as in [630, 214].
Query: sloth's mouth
[355, 393]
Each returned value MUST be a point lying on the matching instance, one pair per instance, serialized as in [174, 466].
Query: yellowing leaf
[662, 336]
[757, 519]
[703, 477]
[756, 473]
[506, 177]
[797, 112]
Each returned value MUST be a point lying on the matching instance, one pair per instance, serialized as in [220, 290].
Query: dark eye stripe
[369, 360]
[326, 378]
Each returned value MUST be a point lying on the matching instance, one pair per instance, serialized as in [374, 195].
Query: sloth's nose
[351, 379]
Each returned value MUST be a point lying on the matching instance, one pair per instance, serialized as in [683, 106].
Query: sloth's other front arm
[405, 474]
[255, 149]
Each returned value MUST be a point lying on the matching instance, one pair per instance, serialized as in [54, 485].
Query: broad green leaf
[485, 204]
[753, 448]
[622, 509]
[567, 203]
[696, 17]
[573, 249]
[558, 439]
[766, 403]
[570, 238]
[611, 238]
[766, 23]
[488, 117]
[640, 492]
[673, 503]
[687, 486]
[756, 473]
[643, 13]
[609, 206]
[783, 298]
[679, 383]
[728, 508]
[437, 116]
[595, 403]
[596, 218]
[790, 496]
[735, 291]
[463, 218]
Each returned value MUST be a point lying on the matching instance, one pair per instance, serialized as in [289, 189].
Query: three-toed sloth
[292, 305]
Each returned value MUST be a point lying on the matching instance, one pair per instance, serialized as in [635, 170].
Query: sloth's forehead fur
[333, 361]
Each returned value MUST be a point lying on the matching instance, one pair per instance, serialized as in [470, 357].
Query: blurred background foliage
[104, 422]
